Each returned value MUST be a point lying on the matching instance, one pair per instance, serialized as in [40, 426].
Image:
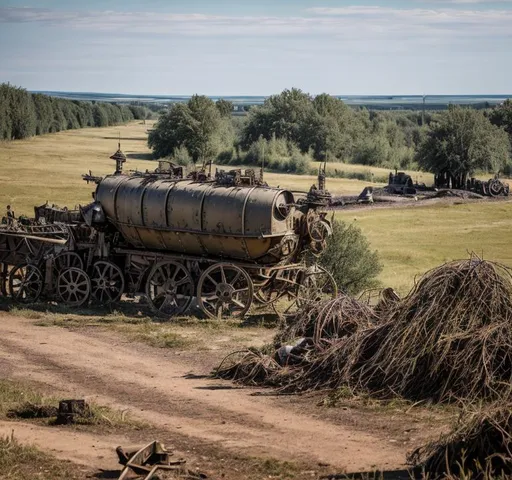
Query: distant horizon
[181, 95]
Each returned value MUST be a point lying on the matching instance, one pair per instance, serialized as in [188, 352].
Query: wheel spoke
[237, 276]
[237, 303]
[241, 290]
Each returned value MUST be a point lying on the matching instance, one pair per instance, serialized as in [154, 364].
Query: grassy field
[378, 172]
[410, 240]
[414, 239]
[49, 167]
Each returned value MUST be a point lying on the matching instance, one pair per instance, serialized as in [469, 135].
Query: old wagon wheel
[73, 287]
[317, 285]
[107, 282]
[67, 260]
[495, 187]
[314, 284]
[4, 278]
[169, 288]
[225, 290]
[25, 283]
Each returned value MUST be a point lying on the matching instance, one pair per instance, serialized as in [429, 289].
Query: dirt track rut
[160, 388]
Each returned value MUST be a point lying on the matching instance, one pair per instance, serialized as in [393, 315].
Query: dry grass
[415, 239]
[478, 447]
[448, 340]
[23, 462]
[182, 333]
[19, 400]
[49, 167]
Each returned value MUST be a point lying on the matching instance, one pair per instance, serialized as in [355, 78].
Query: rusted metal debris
[69, 410]
[146, 462]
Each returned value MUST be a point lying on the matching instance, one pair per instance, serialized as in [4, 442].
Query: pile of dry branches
[250, 367]
[479, 447]
[337, 318]
[450, 338]
[325, 324]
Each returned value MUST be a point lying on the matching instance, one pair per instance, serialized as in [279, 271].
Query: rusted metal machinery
[221, 243]
[494, 187]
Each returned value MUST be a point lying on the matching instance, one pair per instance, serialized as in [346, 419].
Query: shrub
[349, 258]
[180, 156]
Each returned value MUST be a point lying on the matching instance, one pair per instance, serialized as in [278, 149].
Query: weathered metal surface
[147, 461]
[197, 218]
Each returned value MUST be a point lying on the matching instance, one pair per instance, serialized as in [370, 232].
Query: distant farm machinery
[402, 184]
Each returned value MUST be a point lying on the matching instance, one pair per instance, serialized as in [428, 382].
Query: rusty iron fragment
[148, 460]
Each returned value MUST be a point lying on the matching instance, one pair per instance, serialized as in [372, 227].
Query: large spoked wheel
[169, 288]
[107, 282]
[225, 290]
[73, 287]
[67, 260]
[317, 285]
[25, 283]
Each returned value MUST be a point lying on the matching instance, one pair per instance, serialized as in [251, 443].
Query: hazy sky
[258, 47]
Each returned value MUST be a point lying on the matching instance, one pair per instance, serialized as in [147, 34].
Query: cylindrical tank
[199, 218]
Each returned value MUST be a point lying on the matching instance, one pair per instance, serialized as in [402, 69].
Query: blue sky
[258, 47]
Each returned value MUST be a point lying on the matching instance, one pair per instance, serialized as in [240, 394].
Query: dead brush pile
[449, 339]
[323, 325]
[480, 446]
[250, 367]
[337, 318]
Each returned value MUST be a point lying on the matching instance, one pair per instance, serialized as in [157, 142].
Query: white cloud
[351, 23]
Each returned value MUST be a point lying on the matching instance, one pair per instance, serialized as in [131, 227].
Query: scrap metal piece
[70, 409]
[147, 460]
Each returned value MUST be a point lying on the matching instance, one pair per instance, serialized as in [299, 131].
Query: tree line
[24, 114]
[293, 128]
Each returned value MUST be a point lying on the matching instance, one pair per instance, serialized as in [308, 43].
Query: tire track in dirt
[161, 390]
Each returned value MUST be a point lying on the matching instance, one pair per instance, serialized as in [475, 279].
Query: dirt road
[164, 389]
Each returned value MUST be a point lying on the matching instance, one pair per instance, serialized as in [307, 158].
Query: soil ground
[221, 429]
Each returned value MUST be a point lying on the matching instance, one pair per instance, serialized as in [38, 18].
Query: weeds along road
[176, 395]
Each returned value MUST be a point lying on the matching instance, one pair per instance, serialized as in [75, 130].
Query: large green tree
[462, 141]
[282, 116]
[324, 125]
[196, 125]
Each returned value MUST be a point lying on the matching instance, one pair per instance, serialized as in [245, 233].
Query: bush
[180, 156]
[276, 154]
[350, 260]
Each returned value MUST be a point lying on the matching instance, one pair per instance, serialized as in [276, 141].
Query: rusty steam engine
[219, 243]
